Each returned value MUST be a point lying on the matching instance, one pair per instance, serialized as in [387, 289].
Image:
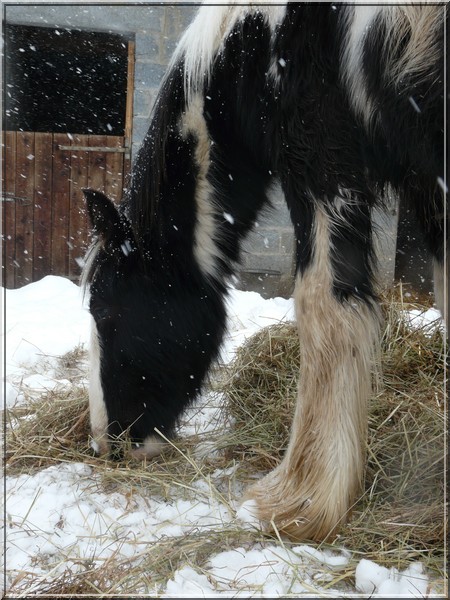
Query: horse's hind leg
[441, 286]
[311, 492]
[431, 211]
[435, 224]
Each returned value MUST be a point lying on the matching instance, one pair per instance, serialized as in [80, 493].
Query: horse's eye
[100, 311]
[101, 314]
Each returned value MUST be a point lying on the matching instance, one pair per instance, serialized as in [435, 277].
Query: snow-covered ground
[61, 516]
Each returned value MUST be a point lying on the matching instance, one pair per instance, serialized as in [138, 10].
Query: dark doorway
[60, 80]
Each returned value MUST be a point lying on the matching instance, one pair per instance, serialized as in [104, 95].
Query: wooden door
[45, 228]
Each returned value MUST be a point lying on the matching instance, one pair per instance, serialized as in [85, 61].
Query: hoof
[294, 509]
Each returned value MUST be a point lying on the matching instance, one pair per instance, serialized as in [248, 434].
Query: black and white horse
[334, 102]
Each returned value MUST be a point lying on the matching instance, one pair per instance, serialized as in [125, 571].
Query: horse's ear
[113, 229]
[103, 215]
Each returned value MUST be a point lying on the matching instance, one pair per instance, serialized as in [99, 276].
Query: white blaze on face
[97, 407]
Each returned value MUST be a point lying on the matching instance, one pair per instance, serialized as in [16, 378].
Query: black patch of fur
[239, 108]
[321, 145]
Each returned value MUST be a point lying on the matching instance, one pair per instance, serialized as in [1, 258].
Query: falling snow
[228, 218]
[414, 105]
[442, 185]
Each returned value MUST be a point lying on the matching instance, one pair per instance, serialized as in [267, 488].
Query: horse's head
[154, 334]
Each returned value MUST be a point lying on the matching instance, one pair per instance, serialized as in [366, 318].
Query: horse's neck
[196, 192]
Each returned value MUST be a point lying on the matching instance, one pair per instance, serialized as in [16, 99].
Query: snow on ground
[61, 516]
[426, 320]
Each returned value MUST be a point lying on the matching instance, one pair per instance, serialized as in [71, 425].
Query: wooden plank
[97, 164]
[25, 161]
[60, 208]
[126, 171]
[82, 147]
[130, 95]
[78, 223]
[114, 170]
[9, 207]
[42, 205]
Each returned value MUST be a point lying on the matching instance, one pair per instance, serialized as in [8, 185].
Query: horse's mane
[188, 73]
[142, 197]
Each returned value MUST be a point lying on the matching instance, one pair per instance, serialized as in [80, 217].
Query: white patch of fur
[89, 259]
[276, 69]
[273, 12]
[419, 23]
[205, 249]
[97, 407]
[358, 21]
[152, 446]
[273, 73]
[312, 491]
[343, 200]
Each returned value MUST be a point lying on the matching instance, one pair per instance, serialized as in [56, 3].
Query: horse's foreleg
[312, 491]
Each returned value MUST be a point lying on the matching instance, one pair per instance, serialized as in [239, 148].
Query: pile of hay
[401, 514]
[51, 426]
